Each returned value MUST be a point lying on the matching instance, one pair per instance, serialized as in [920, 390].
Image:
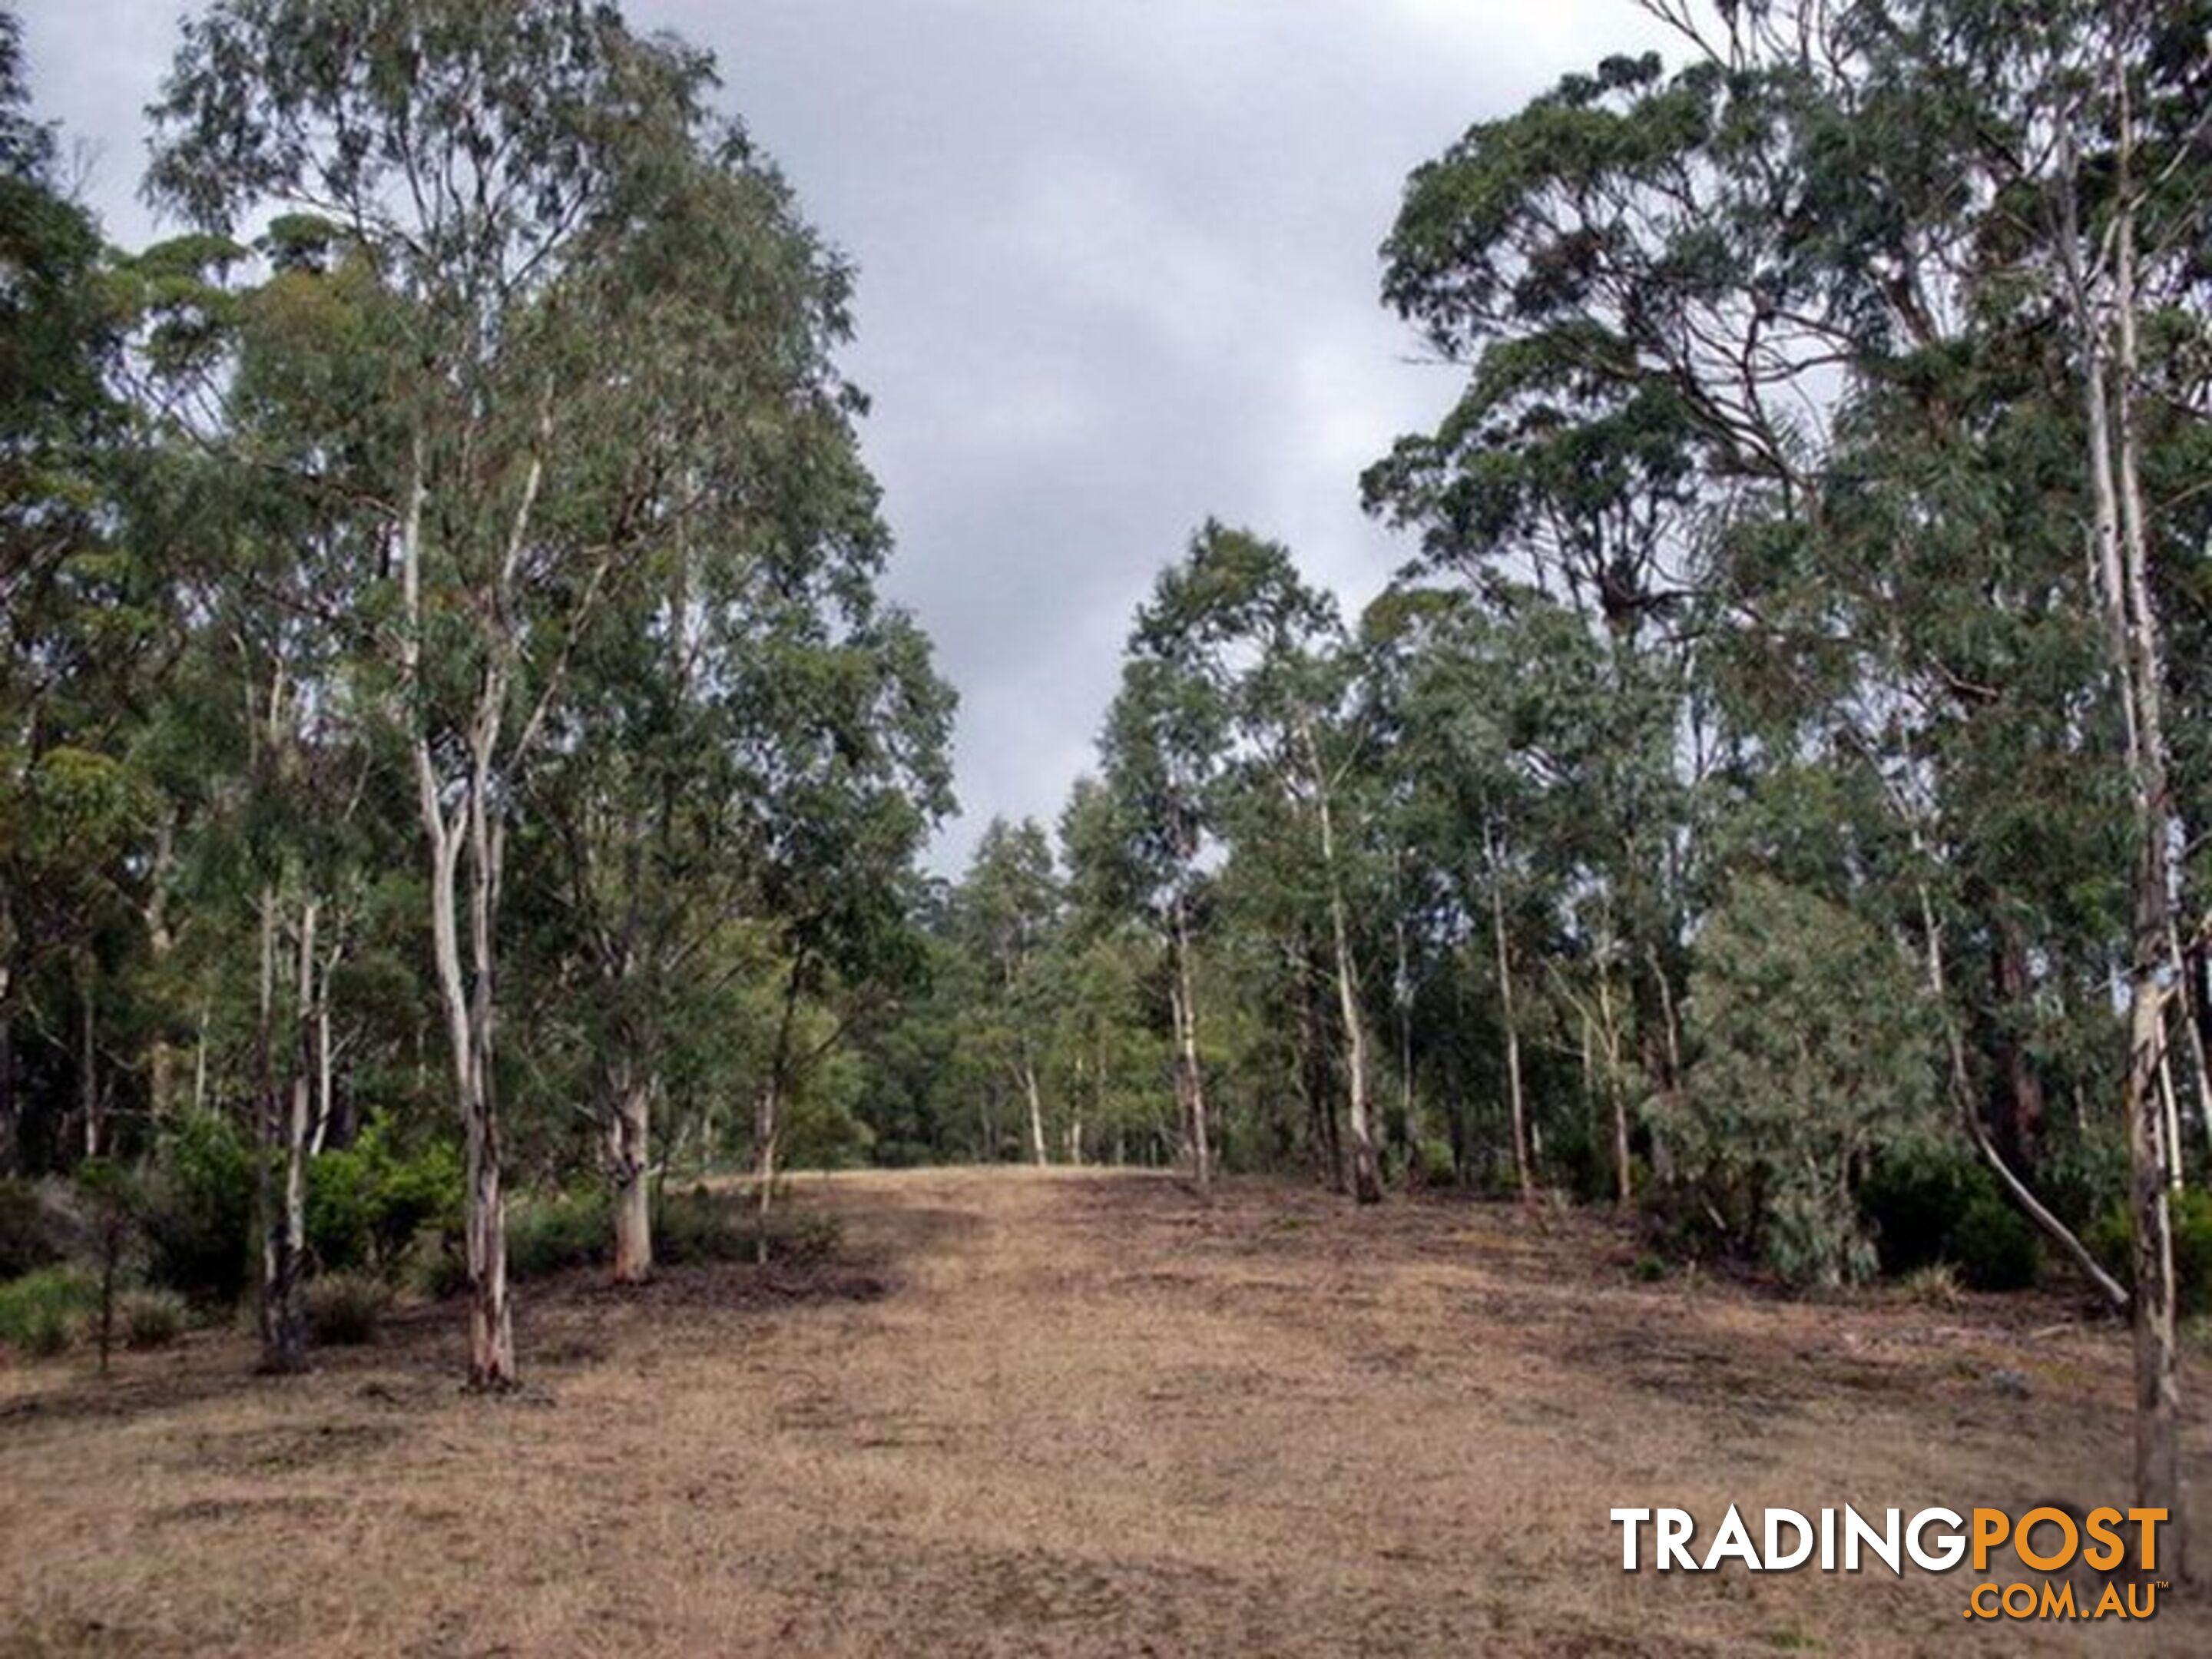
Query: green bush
[1936, 1204]
[1812, 1237]
[35, 1229]
[368, 1203]
[345, 1309]
[1913, 1198]
[808, 1235]
[2112, 1240]
[1996, 1248]
[562, 1229]
[1812, 1042]
[42, 1312]
[443, 1272]
[151, 1319]
[198, 1213]
[702, 1225]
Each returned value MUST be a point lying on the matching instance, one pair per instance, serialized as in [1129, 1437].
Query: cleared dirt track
[1063, 1412]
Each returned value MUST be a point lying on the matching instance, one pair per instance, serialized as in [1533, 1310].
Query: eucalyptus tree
[1300, 772]
[1164, 758]
[1008, 912]
[1486, 706]
[551, 216]
[81, 621]
[744, 702]
[1703, 309]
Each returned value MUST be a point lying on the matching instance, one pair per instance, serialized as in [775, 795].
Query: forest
[466, 801]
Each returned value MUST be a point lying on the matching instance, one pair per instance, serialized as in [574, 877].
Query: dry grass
[1065, 1413]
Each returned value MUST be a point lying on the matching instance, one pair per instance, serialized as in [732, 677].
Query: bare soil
[1067, 1414]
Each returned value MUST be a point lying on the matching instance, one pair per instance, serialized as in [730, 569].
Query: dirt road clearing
[1061, 1414]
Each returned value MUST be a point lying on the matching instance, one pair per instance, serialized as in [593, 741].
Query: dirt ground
[1063, 1414]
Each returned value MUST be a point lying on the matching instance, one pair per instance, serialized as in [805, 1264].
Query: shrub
[1935, 1285]
[198, 1213]
[368, 1203]
[1995, 1247]
[345, 1309]
[151, 1319]
[1812, 1237]
[2111, 1241]
[700, 1225]
[1933, 1205]
[1813, 1044]
[1438, 1168]
[811, 1235]
[443, 1272]
[1913, 1198]
[43, 1312]
[35, 1229]
[547, 1234]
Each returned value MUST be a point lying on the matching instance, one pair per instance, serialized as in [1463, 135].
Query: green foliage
[198, 1214]
[2112, 1240]
[345, 1309]
[1996, 1248]
[42, 1313]
[701, 1225]
[1813, 1055]
[369, 1203]
[1933, 1204]
[34, 1232]
[151, 1319]
[547, 1233]
[1912, 1199]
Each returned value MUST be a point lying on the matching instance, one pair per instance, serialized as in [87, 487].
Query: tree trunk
[1409, 1122]
[1616, 1098]
[466, 1000]
[768, 1125]
[2197, 976]
[1523, 1169]
[1367, 1175]
[281, 1141]
[88, 1057]
[2158, 1385]
[161, 944]
[2020, 1128]
[1037, 1108]
[1189, 1080]
[628, 1125]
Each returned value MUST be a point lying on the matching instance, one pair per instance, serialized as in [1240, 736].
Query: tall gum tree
[509, 169]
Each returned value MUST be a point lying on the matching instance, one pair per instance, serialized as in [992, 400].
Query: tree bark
[88, 1056]
[768, 1126]
[1367, 1175]
[1523, 1169]
[1037, 1108]
[1616, 1098]
[2158, 1386]
[160, 943]
[467, 1005]
[281, 1142]
[1190, 1083]
[629, 1127]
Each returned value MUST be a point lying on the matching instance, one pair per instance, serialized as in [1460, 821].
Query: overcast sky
[1118, 272]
